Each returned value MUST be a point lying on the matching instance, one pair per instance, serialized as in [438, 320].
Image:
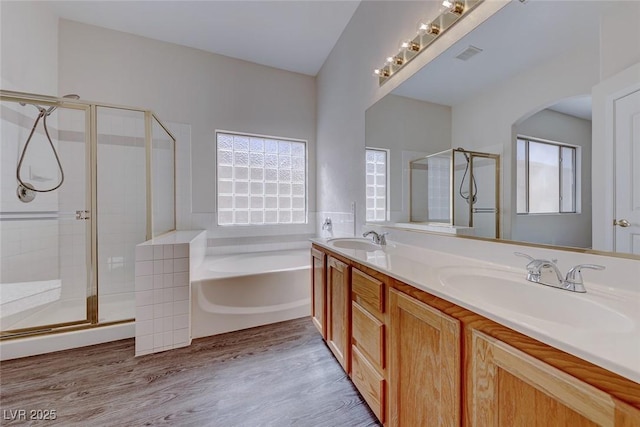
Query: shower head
[68, 96]
[51, 109]
[464, 153]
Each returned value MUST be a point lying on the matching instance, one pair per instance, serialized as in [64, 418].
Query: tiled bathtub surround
[163, 292]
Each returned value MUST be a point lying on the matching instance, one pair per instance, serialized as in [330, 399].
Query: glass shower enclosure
[457, 188]
[82, 183]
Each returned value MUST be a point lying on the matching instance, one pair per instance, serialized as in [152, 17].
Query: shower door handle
[82, 215]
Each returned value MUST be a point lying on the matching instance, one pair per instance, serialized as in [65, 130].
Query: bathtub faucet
[378, 239]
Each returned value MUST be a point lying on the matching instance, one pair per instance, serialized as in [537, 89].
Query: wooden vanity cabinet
[368, 339]
[511, 388]
[419, 360]
[319, 291]
[338, 329]
[425, 364]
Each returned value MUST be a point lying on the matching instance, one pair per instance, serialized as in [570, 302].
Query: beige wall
[29, 47]
[405, 125]
[619, 38]
[191, 86]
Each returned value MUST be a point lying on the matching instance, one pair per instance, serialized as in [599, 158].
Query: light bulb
[411, 46]
[430, 28]
[382, 72]
[454, 6]
[395, 60]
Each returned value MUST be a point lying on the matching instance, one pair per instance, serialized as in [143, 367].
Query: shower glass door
[485, 209]
[77, 197]
[45, 281]
[121, 208]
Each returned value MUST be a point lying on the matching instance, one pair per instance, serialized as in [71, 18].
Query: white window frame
[577, 151]
[263, 224]
[387, 184]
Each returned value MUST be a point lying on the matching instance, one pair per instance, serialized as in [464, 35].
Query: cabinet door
[511, 388]
[338, 311]
[424, 364]
[319, 291]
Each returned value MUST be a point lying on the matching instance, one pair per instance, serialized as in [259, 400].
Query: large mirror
[520, 87]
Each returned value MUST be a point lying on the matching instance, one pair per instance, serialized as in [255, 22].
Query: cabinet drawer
[367, 291]
[368, 335]
[369, 382]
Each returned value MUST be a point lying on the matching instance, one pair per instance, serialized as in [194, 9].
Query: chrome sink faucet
[546, 272]
[378, 239]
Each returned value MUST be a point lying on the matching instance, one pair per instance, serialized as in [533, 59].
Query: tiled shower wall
[29, 249]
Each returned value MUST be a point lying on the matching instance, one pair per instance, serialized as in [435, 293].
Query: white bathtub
[233, 292]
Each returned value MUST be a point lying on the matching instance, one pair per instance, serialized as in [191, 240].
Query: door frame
[604, 95]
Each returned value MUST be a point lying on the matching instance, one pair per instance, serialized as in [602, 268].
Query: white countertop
[616, 350]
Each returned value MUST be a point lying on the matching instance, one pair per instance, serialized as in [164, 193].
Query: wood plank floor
[275, 375]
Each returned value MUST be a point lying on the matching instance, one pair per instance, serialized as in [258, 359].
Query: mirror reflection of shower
[458, 189]
[26, 191]
[474, 192]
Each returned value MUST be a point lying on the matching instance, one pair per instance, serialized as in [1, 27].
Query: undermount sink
[510, 291]
[354, 243]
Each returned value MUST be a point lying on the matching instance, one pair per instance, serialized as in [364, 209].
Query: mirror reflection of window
[546, 177]
[377, 161]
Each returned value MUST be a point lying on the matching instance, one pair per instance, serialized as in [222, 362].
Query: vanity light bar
[428, 31]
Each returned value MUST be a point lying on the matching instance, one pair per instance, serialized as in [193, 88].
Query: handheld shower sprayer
[473, 197]
[26, 192]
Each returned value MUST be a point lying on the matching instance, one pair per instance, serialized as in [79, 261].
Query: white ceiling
[291, 35]
[579, 106]
[518, 37]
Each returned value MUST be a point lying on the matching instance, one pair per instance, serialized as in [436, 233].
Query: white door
[627, 173]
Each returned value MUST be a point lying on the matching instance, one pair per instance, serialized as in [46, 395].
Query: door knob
[621, 222]
[82, 215]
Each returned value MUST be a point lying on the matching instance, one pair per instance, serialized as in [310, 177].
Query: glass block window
[261, 180]
[377, 188]
[546, 177]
